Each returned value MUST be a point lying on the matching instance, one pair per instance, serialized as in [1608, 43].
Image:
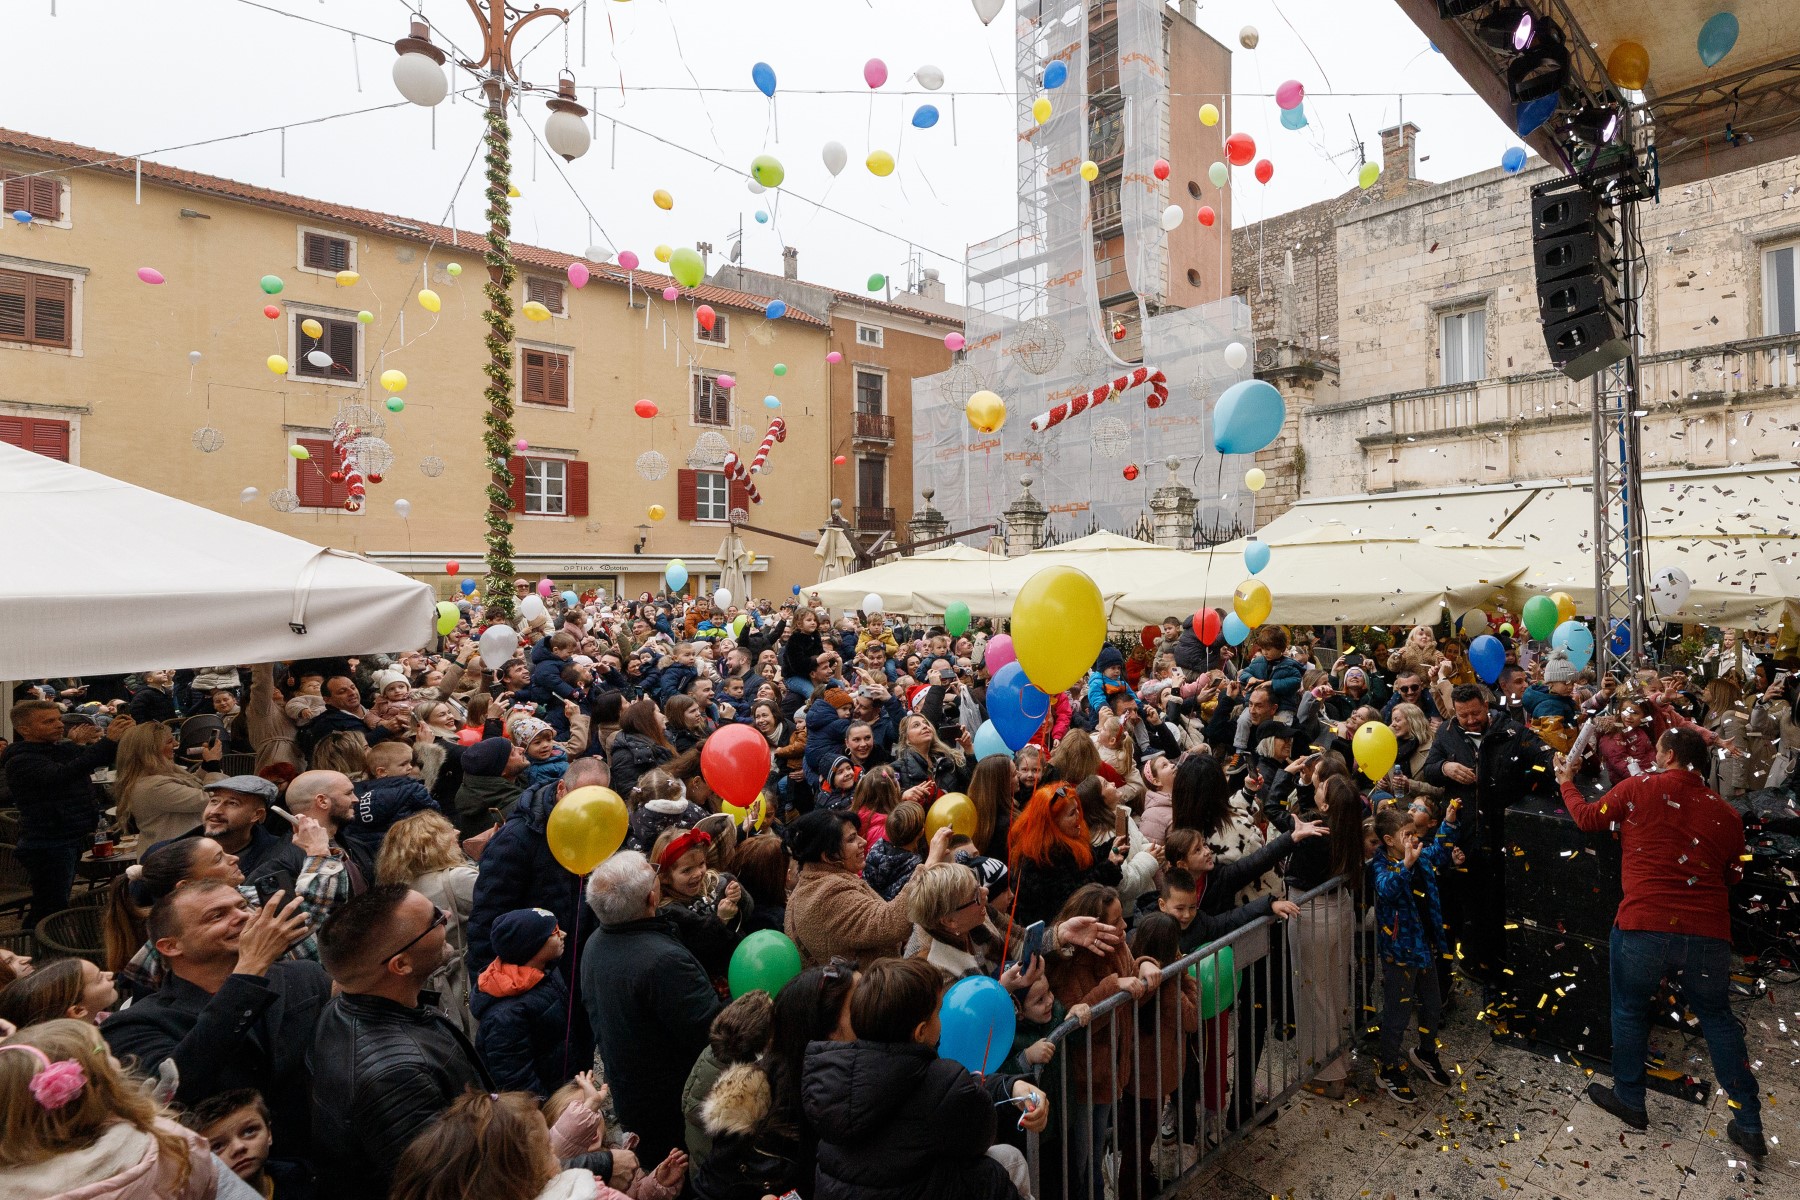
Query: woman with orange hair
[1051, 854]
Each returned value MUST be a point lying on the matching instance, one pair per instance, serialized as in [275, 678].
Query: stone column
[1025, 520]
[1283, 461]
[928, 522]
[1172, 506]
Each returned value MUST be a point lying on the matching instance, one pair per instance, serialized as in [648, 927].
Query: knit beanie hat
[525, 730]
[837, 697]
[486, 757]
[1109, 657]
[990, 872]
[518, 935]
[1558, 668]
[386, 679]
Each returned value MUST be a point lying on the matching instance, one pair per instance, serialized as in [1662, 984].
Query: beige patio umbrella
[835, 554]
[734, 567]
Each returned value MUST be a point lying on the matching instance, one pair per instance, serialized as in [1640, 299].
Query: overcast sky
[132, 77]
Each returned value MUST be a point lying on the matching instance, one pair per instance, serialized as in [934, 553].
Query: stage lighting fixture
[1455, 10]
[1509, 29]
[1539, 71]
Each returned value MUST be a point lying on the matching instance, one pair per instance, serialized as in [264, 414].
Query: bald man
[329, 798]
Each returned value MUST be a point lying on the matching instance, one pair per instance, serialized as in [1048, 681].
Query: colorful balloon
[1669, 590]
[1367, 174]
[765, 960]
[1513, 161]
[952, 808]
[925, 116]
[976, 1020]
[1256, 555]
[447, 616]
[675, 574]
[535, 310]
[999, 652]
[1540, 617]
[1209, 114]
[1160, 168]
[1240, 148]
[1015, 706]
[628, 259]
[1219, 174]
[986, 412]
[150, 275]
[1565, 606]
[312, 328]
[1294, 118]
[776, 310]
[645, 408]
[956, 618]
[1058, 627]
[767, 170]
[989, 743]
[734, 760]
[1629, 66]
[1717, 37]
[1374, 747]
[1217, 978]
[1205, 215]
[875, 72]
[271, 311]
[428, 300]
[1254, 479]
[705, 317]
[952, 342]
[1172, 217]
[930, 78]
[1055, 75]
[1290, 94]
[687, 267]
[1208, 626]
[658, 512]
[1252, 602]
[271, 284]
[1233, 630]
[586, 828]
[763, 76]
[1248, 416]
[1040, 110]
[662, 199]
[1265, 170]
[365, 317]
[835, 157]
[1487, 658]
[347, 278]
[299, 453]
[277, 365]
[578, 275]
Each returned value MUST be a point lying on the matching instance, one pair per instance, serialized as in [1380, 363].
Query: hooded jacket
[123, 1163]
[521, 1039]
[633, 755]
[382, 802]
[798, 654]
[745, 1157]
[896, 1122]
[1409, 921]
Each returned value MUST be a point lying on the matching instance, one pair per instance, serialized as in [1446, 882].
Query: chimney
[1190, 10]
[931, 285]
[1397, 155]
[705, 249]
[790, 262]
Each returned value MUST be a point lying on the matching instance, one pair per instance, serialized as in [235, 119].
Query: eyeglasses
[974, 901]
[1407, 688]
[439, 919]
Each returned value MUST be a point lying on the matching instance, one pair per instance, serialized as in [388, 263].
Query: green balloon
[1218, 979]
[956, 619]
[271, 284]
[1540, 617]
[877, 282]
[395, 404]
[687, 267]
[1218, 173]
[764, 961]
[781, 368]
[767, 170]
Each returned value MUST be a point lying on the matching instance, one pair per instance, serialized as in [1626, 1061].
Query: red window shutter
[556, 379]
[686, 505]
[516, 493]
[739, 497]
[575, 489]
[50, 313]
[46, 198]
[50, 439]
[312, 476]
[534, 379]
[18, 193]
[15, 306]
[13, 432]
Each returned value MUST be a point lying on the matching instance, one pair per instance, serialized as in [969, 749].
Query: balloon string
[574, 963]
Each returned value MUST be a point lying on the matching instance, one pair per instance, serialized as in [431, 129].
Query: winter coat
[702, 930]
[887, 867]
[521, 1040]
[1243, 835]
[167, 805]
[945, 772]
[896, 1122]
[151, 704]
[633, 755]
[122, 1163]
[1044, 886]
[1100, 689]
[672, 680]
[518, 871]
[1409, 921]
[700, 1081]
[799, 654]
[545, 770]
[382, 802]
[51, 788]
[381, 1073]
[1159, 815]
[1539, 701]
[747, 1156]
[1083, 978]
[834, 913]
[482, 801]
[1283, 676]
[654, 816]
[336, 720]
[1504, 773]
[1622, 749]
[1156, 1071]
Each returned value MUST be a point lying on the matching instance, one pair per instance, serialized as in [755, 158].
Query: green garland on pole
[497, 440]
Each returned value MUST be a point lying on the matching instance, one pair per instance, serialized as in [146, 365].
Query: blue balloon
[762, 218]
[1621, 636]
[1247, 417]
[1016, 707]
[1559, 637]
[676, 576]
[989, 743]
[468, 587]
[796, 589]
[925, 116]
[1057, 74]
[763, 75]
[1488, 657]
[1717, 37]
[1513, 161]
[977, 1022]
[1533, 113]
[776, 310]
[1294, 118]
[22, 216]
[1234, 631]
[771, 401]
[1256, 555]
[570, 599]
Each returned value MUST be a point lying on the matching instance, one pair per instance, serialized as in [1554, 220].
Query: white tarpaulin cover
[100, 577]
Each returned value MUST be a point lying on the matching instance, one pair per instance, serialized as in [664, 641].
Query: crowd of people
[354, 967]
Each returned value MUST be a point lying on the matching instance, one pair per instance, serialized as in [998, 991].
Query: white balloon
[1248, 37]
[1171, 218]
[1236, 356]
[757, 189]
[930, 78]
[871, 603]
[318, 358]
[498, 642]
[404, 508]
[1669, 591]
[835, 156]
[722, 598]
[193, 356]
[532, 607]
[987, 10]
[599, 253]
[247, 495]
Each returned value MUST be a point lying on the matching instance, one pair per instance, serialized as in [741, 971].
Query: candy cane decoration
[777, 433]
[343, 441]
[734, 471]
[1159, 396]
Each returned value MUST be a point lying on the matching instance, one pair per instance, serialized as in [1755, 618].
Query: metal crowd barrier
[1303, 994]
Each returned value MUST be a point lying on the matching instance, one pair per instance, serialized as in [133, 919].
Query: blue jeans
[51, 871]
[1703, 964]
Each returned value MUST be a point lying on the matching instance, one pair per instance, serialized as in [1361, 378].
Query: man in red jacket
[1682, 850]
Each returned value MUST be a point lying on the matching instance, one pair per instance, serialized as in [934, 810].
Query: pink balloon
[874, 72]
[1290, 94]
[578, 274]
[999, 652]
[727, 381]
[628, 259]
[545, 587]
[954, 341]
[669, 294]
[834, 358]
[150, 275]
[521, 444]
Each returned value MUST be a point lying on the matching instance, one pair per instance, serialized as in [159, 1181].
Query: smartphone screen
[1033, 945]
[1121, 821]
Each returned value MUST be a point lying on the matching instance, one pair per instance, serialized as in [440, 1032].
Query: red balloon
[1240, 148]
[1161, 169]
[735, 763]
[839, 461]
[1131, 471]
[452, 567]
[271, 312]
[1265, 170]
[1150, 635]
[644, 408]
[1206, 216]
[1208, 626]
[467, 737]
[706, 316]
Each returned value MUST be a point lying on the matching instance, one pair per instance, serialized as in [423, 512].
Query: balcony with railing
[873, 427]
[874, 519]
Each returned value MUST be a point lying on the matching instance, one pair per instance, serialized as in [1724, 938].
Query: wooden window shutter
[556, 379]
[739, 497]
[18, 193]
[322, 253]
[547, 292]
[312, 476]
[686, 505]
[534, 381]
[340, 343]
[516, 493]
[15, 306]
[51, 439]
[575, 489]
[46, 198]
[50, 313]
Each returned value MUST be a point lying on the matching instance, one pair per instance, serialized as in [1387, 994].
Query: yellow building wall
[135, 402]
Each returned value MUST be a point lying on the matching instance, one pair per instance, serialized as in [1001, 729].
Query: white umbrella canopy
[734, 567]
[836, 556]
[901, 582]
[104, 578]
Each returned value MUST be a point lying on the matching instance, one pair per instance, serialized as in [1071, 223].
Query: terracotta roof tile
[402, 228]
[917, 314]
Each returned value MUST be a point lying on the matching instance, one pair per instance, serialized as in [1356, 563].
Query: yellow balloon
[586, 827]
[1374, 748]
[428, 300]
[664, 254]
[277, 365]
[347, 278]
[1040, 110]
[880, 162]
[299, 453]
[1090, 170]
[953, 809]
[453, 270]
[1565, 606]
[662, 198]
[312, 328]
[755, 816]
[986, 412]
[1251, 602]
[1629, 66]
[752, 555]
[535, 311]
[512, 189]
[658, 512]
[1209, 115]
[1058, 627]
[393, 381]
[1254, 479]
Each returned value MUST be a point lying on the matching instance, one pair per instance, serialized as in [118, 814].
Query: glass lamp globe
[420, 80]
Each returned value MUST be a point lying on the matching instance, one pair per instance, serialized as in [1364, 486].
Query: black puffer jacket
[381, 1073]
[751, 1155]
[631, 756]
[518, 871]
[50, 786]
[798, 654]
[896, 1122]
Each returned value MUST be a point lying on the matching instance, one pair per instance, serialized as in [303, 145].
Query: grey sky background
[136, 78]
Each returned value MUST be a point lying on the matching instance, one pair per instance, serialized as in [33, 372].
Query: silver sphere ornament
[431, 466]
[283, 500]
[207, 439]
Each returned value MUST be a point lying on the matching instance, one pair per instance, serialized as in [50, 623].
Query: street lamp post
[419, 75]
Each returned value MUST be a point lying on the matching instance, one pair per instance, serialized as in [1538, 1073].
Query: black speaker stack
[1575, 249]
